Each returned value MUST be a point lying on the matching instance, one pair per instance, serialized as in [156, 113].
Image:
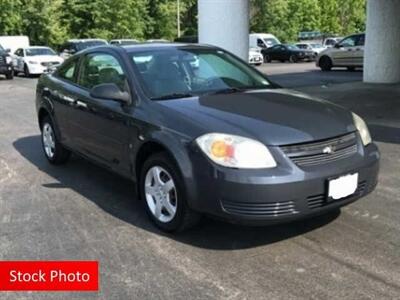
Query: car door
[63, 92]
[18, 60]
[343, 53]
[103, 128]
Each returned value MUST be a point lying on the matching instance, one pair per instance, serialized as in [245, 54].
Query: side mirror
[337, 46]
[8, 50]
[110, 91]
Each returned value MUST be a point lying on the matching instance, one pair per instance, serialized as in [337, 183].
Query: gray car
[214, 137]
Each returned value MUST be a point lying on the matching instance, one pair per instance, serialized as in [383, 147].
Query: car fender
[178, 148]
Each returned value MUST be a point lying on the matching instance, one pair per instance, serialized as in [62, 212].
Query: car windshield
[271, 42]
[84, 45]
[39, 51]
[184, 72]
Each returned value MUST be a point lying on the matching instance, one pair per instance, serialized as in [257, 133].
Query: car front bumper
[36, 69]
[6, 69]
[282, 194]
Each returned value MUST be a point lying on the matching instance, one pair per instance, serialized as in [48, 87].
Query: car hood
[274, 116]
[45, 58]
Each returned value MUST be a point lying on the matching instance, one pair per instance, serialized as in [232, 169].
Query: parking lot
[79, 211]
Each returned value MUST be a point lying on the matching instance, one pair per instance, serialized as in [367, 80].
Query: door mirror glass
[110, 91]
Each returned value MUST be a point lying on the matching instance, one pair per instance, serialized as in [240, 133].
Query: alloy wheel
[48, 140]
[160, 193]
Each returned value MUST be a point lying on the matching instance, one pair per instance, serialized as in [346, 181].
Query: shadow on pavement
[116, 196]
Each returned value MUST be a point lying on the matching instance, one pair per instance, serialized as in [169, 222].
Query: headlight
[362, 129]
[8, 60]
[235, 151]
[32, 62]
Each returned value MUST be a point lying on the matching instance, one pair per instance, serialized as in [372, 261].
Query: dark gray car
[201, 132]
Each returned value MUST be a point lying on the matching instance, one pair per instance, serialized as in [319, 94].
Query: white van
[14, 42]
[262, 40]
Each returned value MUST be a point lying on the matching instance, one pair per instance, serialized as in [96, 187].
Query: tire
[26, 71]
[55, 153]
[178, 216]
[351, 69]
[267, 58]
[10, 75]
[325, 63]
[293, 58]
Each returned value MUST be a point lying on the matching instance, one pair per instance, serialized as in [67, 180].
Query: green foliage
[54, 21]
[286, 18]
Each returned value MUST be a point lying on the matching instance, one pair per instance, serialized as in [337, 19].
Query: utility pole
[178, 17]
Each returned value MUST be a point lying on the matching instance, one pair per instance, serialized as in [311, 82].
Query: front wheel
[163, 192]
[10, 75]
[325, 63]
[55, 153]
[293, 58]
[267, 58]
[27, 73]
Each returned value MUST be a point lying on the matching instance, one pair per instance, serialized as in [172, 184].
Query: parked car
[349, 53]
[124, 42]
[6, 67]
[289, 53]
[262, 40]
[315, 47]
[255, 56]
[35, 60]
[330, 42]
[73, 46]
[157, 41]
[219, 139]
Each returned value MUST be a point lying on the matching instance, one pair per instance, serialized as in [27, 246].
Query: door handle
[80, 104]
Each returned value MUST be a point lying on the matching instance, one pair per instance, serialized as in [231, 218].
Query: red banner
[49, 276]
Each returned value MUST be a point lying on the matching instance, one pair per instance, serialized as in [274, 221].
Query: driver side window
[348, 42]
[101, 68]
[260, 43]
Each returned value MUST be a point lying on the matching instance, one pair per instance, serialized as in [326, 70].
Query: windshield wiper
[231, 90]
[173, 96]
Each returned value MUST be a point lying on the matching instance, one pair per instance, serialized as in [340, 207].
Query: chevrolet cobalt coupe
[201, 132]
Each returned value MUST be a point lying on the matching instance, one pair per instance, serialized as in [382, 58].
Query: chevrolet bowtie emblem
[327, 150]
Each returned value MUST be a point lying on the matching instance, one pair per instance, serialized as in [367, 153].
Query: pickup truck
[6, 67]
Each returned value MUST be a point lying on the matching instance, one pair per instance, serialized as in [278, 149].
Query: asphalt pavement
[81, 212]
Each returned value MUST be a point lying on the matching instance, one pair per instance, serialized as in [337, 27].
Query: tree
[10, 17]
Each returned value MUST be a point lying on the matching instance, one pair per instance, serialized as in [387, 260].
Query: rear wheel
[163, 192]
[325, 63]
[267, 58]
[55, 153]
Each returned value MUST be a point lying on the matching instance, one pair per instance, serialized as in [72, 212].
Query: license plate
[343, 186]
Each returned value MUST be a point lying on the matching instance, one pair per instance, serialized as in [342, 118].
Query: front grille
[2, 60]
[318, 201]
[260, 209]
[49, 64]
[322, 152]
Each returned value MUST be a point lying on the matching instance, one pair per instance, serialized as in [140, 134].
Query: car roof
[37, 47]
[86, 40]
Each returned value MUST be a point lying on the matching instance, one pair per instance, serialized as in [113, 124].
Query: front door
[103, 129]
[344, 53]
